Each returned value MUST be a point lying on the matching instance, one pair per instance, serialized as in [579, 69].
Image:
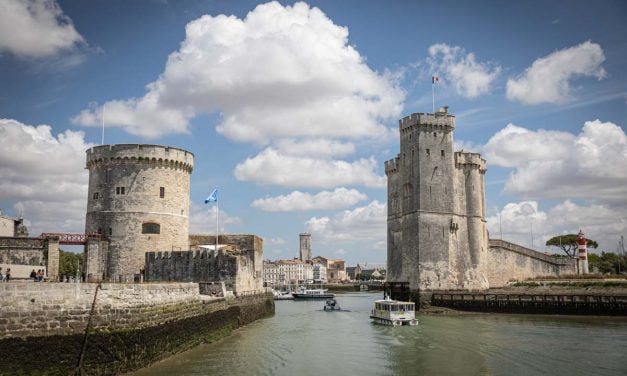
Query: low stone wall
[42, 325]
[511, 262]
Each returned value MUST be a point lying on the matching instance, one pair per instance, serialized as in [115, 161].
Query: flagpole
[433, 94]
[217, 223]
[103, 115]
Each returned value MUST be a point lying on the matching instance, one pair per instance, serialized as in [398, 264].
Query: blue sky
[281, 98]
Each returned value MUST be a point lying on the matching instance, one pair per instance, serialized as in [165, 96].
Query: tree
[568, 243]
[70, 263]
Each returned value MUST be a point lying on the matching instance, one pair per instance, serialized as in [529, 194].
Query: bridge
[66, 238]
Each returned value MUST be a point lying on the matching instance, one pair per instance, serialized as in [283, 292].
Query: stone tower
[437, 236]
[138, 200]
[305, 246]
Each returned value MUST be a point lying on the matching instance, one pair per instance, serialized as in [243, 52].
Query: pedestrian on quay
[8, 276]
[33, 275]
[1, 276]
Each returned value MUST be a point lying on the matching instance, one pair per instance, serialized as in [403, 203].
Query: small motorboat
[331, 305]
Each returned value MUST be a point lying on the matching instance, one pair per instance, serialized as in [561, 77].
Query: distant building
[305, 246]
[282, 272]
[285, 272]
[336, 268]
[319, 273]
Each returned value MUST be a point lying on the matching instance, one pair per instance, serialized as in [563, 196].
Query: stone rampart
[235, 268]
[511, 262]
[42, 325]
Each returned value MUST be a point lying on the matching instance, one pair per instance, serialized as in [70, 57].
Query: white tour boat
[394, 312]
[313, 294]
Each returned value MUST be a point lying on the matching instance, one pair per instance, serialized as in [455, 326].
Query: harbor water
[302, 339]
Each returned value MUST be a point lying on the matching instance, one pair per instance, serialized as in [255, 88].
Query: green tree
[70, 263]
[608, 262]
[568, 243]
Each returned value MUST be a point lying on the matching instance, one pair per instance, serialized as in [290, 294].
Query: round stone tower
[138, 200]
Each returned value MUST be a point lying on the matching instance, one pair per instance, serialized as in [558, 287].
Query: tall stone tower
[305, 246]
[138, 200]
[437, 236]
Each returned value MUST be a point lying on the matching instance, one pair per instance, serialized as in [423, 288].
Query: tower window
[161, 192]
[96, 195]
[442, 152]
[151, 228]
[110, 231]
[119, 190]
[428, 152]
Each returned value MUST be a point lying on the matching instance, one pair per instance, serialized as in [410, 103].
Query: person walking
[8, 276]
[1, 276]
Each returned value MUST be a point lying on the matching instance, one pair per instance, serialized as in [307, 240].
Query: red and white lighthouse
[583, 253]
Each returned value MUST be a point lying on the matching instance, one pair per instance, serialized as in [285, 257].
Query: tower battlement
[391, 166]
[441, 118]
[468, 159]
[156, 155]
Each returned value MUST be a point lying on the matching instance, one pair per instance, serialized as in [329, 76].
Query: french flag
[435, 79]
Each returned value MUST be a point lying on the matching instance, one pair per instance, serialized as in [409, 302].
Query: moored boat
[281, 295]
[313, 294]
[394, 313]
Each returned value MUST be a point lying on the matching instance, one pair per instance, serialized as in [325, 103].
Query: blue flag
[213, 197]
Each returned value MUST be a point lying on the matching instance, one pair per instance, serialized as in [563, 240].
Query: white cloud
[514, 146]
[36, 28]
[44, 176]
[548, 78]
[321, 148]
[281, 72]
[276, 241]
[551, 164]
[363, 224]
[271, 168]
[469, 77]
[601, 223]
[202, 220]
[295, 201]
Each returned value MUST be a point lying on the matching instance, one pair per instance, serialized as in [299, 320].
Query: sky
[291, 109]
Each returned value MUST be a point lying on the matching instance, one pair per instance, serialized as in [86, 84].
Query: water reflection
[301, 339]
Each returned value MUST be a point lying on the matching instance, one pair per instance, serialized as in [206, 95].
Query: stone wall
[42, 325]
[240, 267]
[22, 255]
[510, 262]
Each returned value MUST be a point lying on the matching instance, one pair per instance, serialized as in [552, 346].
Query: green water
[301, 339]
